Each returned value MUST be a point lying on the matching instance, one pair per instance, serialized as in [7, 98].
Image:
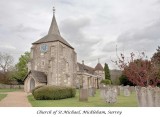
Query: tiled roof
[38, 76]
[85, 68]
[99, 67]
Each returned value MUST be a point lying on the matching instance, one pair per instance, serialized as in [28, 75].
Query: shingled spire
[53, 34]
[54, 27]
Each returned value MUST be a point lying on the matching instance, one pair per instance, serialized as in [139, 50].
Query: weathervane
[54, 10]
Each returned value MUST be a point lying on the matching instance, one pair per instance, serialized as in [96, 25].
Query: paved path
[15, 99]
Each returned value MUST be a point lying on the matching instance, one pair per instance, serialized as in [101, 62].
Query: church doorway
[32, 84]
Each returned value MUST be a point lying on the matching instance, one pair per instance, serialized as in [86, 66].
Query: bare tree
[6, 62]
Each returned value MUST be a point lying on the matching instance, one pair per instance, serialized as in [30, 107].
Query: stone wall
[59, 62]
[4, 86]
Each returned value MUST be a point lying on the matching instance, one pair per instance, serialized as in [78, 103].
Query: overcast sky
[92, 27]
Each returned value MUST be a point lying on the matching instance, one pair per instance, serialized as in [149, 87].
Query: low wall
[4, 86]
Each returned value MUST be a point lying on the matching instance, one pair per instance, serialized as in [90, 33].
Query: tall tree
[139, 71]
[6, 62]
[156, 61]
[21, 67]
[107, 72]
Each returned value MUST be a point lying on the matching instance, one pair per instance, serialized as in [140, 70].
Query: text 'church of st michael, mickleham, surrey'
[54, 62]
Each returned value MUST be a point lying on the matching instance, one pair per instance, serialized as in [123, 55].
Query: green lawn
[2, 96]
[92, 102]
[8, 90]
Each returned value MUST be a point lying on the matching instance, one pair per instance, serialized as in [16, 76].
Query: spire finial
[54, 10]
[98, 60]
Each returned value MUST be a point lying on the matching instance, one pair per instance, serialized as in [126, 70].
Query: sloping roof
[86, 68]
[52, 38]
[38, 76]
[99, 67]
[53, 35]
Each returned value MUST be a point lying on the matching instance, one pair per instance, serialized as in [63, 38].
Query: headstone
[126, 91]
[121, 88]
[157, 97]
[118, 90]
[132, 89]
[109, 94]
[143, 97]
[102, 93]
[150, 96]
[83, 95]
[91, 92]
[138, 94]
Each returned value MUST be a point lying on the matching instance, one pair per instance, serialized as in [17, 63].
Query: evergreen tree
[107, 72]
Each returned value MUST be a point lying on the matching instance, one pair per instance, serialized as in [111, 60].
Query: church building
[54, 62]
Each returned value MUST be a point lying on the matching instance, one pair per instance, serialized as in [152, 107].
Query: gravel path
[15, 99]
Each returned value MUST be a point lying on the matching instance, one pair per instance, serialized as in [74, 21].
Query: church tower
[55, 57]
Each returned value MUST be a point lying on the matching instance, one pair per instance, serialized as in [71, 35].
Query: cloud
[73, 30]
[10, 47]
[67, 2]
[93, 28]
[23, 29]
[145, 39]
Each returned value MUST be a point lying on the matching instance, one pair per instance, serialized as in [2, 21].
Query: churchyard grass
[2, 96]
[8, 90]
[95, 101]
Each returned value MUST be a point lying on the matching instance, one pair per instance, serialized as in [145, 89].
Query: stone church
[54, 62]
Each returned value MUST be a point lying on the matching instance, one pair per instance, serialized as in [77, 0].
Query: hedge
[53, 93]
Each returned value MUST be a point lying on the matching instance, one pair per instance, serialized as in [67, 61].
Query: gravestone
[126, 91]
[102, 93]
[138, 94]
[121, 88]
[91, 92]
[109, 94]
[118, 90]
[132, 89]
[83, 95]
[157, 97]
[148, 97]
[143, 96]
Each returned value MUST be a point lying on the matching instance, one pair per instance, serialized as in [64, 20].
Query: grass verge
[2, 96]
[95, 101]
[8, 90]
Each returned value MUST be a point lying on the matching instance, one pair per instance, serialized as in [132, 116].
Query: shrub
[124, 81]
[53, 93]
[36, 88]
[106, 82]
